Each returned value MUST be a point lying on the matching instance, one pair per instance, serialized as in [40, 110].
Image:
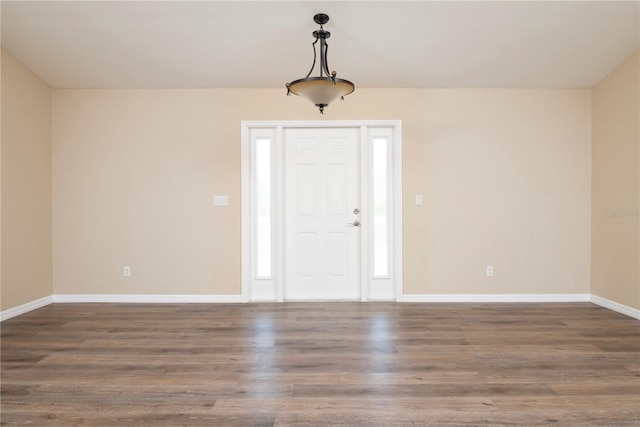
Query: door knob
[355, 223]
[356, 211]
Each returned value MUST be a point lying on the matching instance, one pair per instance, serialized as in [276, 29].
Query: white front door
[322, 204]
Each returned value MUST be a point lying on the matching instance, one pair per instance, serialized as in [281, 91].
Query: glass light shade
[321, 90]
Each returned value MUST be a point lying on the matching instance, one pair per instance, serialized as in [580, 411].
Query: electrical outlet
[127, 271]
[489, 270]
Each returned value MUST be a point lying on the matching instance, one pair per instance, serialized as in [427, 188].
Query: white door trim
[247, 179]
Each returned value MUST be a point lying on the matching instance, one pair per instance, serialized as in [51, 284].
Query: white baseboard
[229, 299]
[612, 305]
[160, 299]
[495, 298]
[25, 308]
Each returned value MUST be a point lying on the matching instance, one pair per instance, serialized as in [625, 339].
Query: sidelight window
[380, 207]
[263, 224]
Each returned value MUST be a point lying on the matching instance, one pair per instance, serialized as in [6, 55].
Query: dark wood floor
[311, 364]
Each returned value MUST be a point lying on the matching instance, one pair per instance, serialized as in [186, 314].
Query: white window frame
[379, 285]
[371, 288]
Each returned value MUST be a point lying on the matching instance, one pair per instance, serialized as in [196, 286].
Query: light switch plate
[419, 200]
[220, 200]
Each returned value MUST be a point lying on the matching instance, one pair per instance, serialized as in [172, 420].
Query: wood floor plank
[311, 364]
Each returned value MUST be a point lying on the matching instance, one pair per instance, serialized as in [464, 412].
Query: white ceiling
[198, 44]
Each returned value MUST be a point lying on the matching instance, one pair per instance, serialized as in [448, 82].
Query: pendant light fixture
[327, 87]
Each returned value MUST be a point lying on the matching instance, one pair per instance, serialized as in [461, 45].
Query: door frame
[272, 289]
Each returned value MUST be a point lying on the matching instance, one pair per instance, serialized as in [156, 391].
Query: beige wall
[26, 186]
[616, 186]
[505, 176]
